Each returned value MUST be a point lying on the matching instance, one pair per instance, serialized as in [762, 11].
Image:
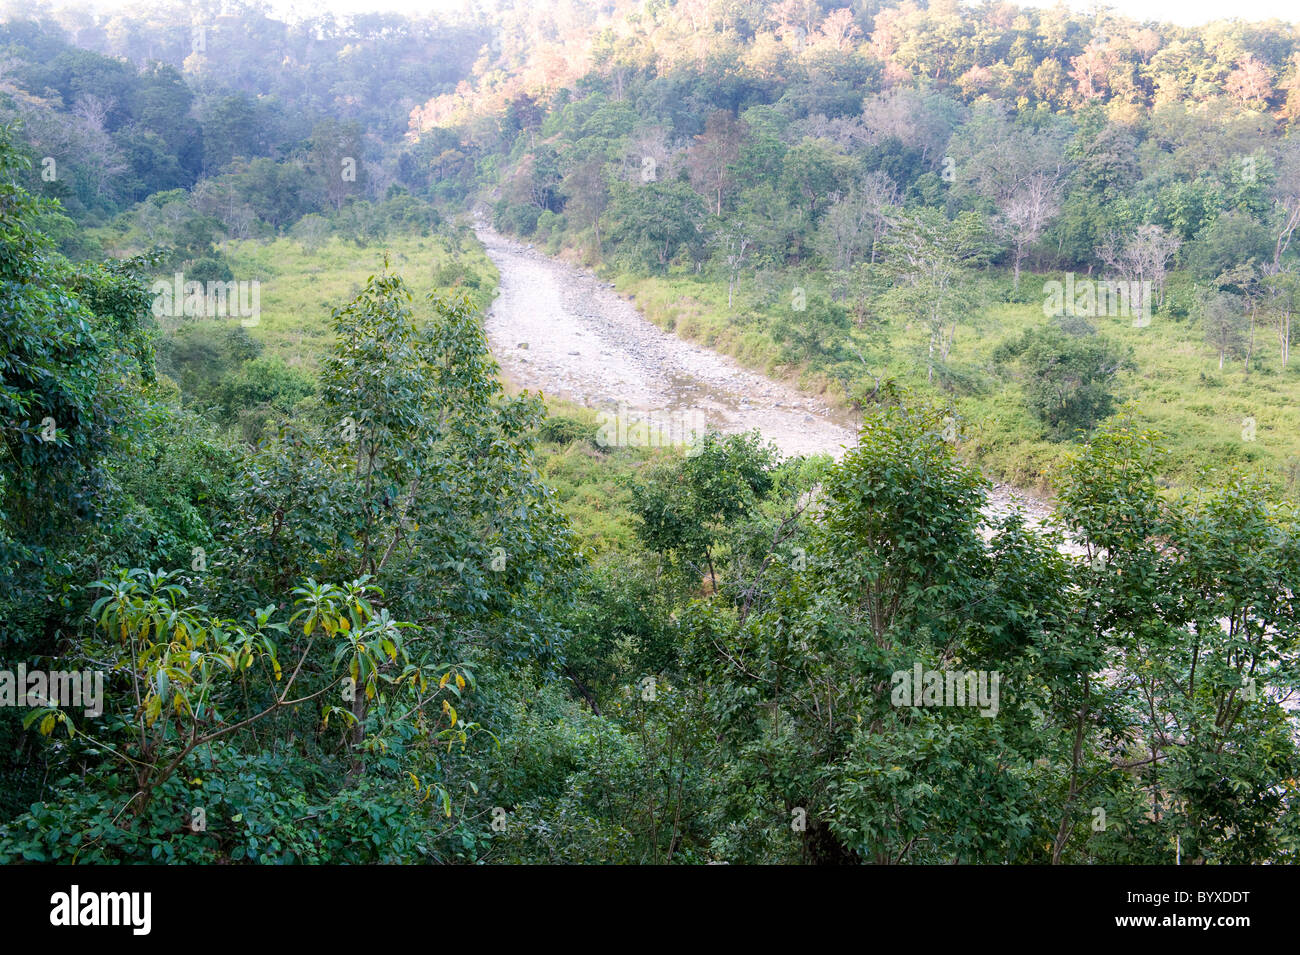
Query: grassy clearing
[299, 288]
[593, 484]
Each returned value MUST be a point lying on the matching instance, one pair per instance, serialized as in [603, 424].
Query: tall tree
[713, 154]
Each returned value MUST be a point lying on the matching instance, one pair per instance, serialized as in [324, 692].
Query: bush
[210, 268]
[1068, 380]
[561, 429]
[519, 220]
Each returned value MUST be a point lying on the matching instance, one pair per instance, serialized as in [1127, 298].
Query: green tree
[1069, 380]
[651, 222]
[929, 262]
[684, 508]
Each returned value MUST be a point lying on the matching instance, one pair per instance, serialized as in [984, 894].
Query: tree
[735, 241]
[1141, 258]
[1224, 318]
[1282, 290]
[895, 574]
[813, 170]
[1069, 381]
[713, 154]
[586, 192]
[1251, 82]
[854, 225]
[929, 261]
[653, 221]
[76, 361]
[1286, 195]
[997, 161]
[336, 156]
[1193, 595]
[684, 508]
[230, 129]
[1025, 214]
[311, 231]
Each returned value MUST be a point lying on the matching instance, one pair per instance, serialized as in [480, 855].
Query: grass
[1178, 390]
[300, 288]
[593, 484]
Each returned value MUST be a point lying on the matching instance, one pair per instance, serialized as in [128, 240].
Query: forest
[311, 580]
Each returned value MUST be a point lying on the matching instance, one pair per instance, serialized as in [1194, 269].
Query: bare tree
[1026, 212]
[913, 117]
[98, 158]
[93, 110]
[735, 241]
[239, 224]
[855, 224]
[1143, 257]
[1282, 291]
[838, 31]
[651, 156]
[711, 156]
[1286, 194]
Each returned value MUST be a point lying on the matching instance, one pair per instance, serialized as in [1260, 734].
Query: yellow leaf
[460, 681]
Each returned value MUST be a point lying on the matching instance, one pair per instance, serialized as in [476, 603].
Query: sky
[1191, 12]
[1184, 12]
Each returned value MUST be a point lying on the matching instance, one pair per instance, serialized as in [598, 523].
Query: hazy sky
[1186, 12]
[1191, 12]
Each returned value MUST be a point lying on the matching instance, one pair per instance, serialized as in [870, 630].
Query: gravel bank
[559, 330]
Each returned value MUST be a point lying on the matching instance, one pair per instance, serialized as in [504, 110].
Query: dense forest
[333, 590]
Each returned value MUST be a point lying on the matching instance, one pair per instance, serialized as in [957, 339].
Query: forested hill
[138, 104]
[748, 51]
[903, 167]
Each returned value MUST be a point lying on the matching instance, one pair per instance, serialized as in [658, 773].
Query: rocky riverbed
[560, 330]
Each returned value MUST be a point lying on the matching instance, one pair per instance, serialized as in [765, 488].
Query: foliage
[1069, 380]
